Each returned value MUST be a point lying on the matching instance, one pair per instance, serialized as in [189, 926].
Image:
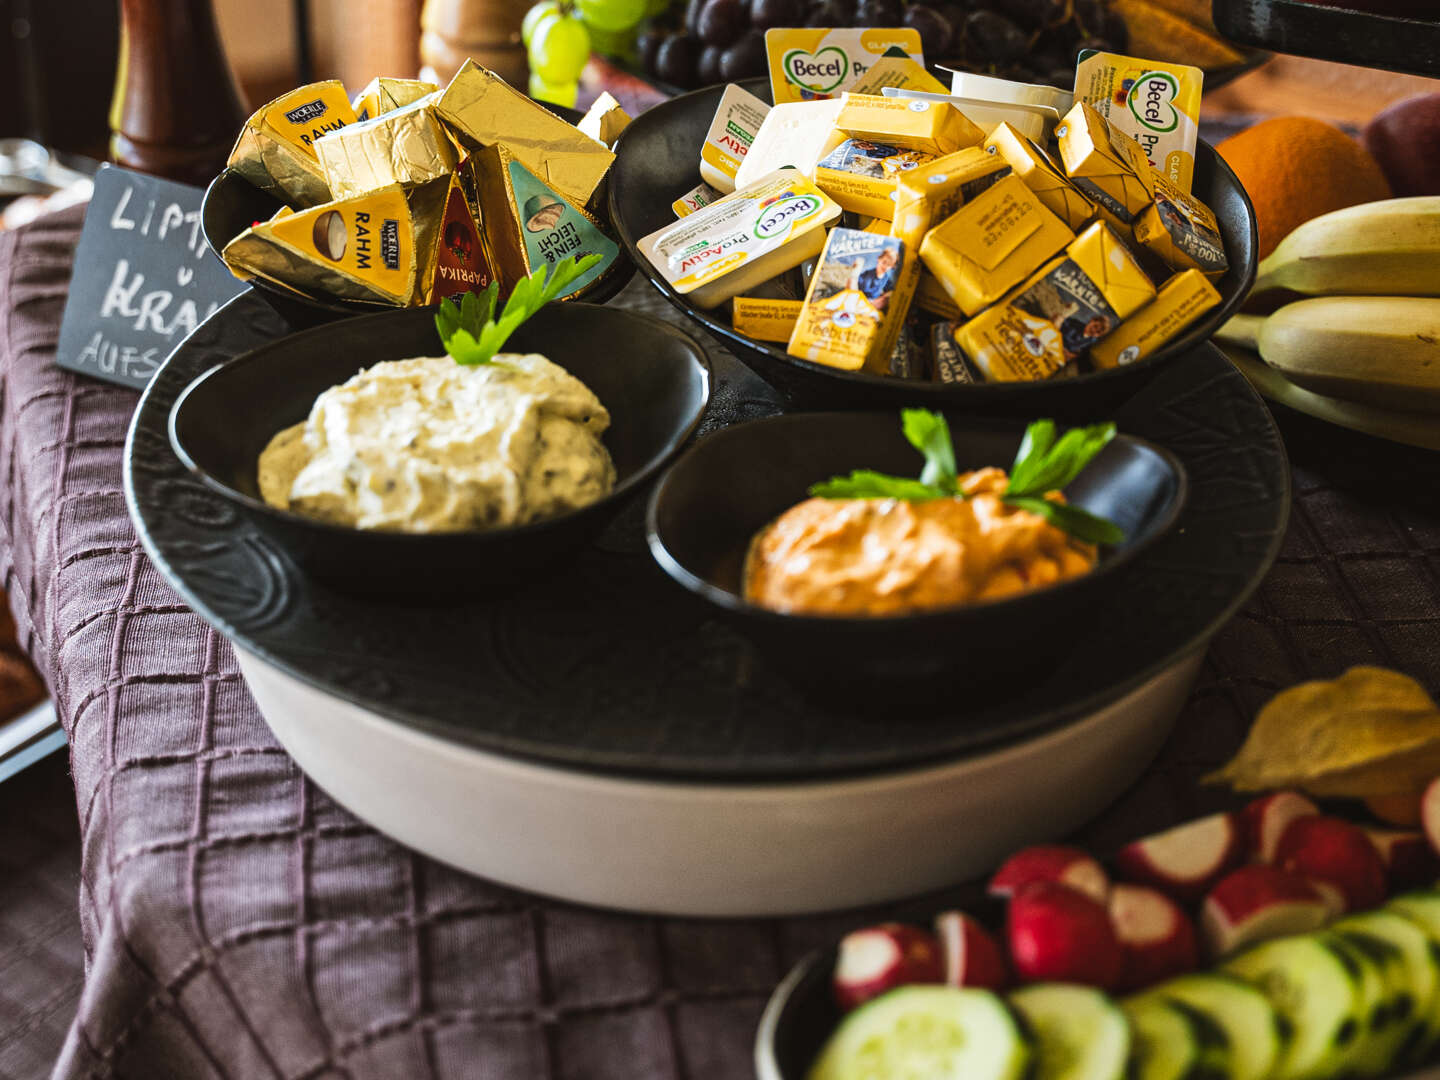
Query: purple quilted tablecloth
[237, 923]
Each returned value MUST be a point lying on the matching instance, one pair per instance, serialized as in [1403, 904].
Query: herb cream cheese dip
[429, 445]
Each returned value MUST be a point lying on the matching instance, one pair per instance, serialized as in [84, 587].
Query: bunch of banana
[1370, 329]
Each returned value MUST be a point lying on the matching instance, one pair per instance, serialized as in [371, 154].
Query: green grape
[559, 49]
[556, 94]
[611, 14]
[533, 17]
[618, 43]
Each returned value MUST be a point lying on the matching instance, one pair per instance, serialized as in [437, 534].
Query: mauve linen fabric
[237, 923]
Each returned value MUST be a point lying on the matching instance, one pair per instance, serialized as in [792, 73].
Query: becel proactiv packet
[751, 235]
[1156, 104]
[732, 132]
[794, 135]
[811, 63]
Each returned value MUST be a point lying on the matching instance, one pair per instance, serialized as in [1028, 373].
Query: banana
[1383, 350]
[1387, 248]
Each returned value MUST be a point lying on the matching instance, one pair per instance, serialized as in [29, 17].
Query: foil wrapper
[449, 242]
[605, 120]
[406, 146]
[528, 224]
[482, 110]
[384, 94]
[276, 147]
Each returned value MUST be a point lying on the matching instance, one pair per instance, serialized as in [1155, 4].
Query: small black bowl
[657, 160]
[798, 1018]
[711, 502]
[653, 378]
[232, 204]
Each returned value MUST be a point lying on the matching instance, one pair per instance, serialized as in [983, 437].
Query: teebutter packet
[1181, 300]
[748, 237]
[1156, 104]
[857, 304]
[861, 175]
[931, 127]
[933, 191]
[1041, 175]
[811, 63]
[1107, 165]
[1182, 231]
[992, 243]
[404, 146]
[529, 225]
[276, 147]
[732, 131]
[765, 319]
[384, 94]
[362, 248]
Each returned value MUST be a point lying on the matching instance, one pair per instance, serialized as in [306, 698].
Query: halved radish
[1051, 862]
[1058, 934]
[1265, 820]
[971, 957]
[1158, 939]
[1333, 851]
[1409, 860]
[1258, 902]
[1185, 861]
[880, 958]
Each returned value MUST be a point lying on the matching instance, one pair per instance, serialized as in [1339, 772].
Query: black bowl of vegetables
[1121, 493]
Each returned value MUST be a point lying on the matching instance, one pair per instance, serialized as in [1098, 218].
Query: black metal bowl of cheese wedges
[233, 204]
[657, 162]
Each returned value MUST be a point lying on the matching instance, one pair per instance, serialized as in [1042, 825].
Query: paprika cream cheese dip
[429, 445]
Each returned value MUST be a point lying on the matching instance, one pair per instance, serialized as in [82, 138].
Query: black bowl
[232, 204]
[658, 158]
[799, 1017]
[734, 482]
[656, 392]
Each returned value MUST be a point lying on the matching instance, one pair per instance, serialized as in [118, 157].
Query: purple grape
[878, 13]
[1037, 13]
[932, 27]
[692, 16]
[647, 45]
[707, 68]
[994, 39]
[676, 61]
[722, 21]
[767, 13]
[829, 13]
[746, 58]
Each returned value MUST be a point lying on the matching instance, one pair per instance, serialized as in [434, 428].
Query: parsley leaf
[866, 484]
[929, 433]
[471, 333]
[1046, 464]
[1080, 524]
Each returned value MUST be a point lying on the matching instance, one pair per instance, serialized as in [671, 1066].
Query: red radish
[1332, 851]
[1402, 810]
[1051, 862]
[1059, 934]
[1266, 817]
[1430, 813]
[1158, 939]
[1185, 861]
[880, 958]
[971, 956]
[1409, 860]
[1258, 902]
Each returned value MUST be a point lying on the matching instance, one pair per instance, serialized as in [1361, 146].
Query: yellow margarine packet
[1156, 104]
[744, 239]
[764, 319]
[1107, 165]
[276, 147]
[808, 64]
[1180, 302]
[1041, 175]
[932, 127]
[702, 194]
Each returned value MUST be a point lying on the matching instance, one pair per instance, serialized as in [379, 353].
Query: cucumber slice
[1422, 907]
[1380, 980]
[1315, 994]
[1080, 1033]
[926, 1033]
[1164, 1043]
[1417, 955]
[1251, 1027]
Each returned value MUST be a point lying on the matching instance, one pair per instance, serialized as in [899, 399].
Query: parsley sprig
[1044, 463]
[473, 335]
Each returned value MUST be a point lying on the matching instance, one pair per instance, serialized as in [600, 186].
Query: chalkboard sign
[144, 278]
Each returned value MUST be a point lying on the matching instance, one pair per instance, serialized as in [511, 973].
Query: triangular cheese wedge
[384, 94]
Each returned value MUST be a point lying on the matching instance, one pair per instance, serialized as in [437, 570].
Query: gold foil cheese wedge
[449, 242]
[384, 94]
[353, 249]
[276, 147]
[528, 224]
[482, 110]
[404, 146]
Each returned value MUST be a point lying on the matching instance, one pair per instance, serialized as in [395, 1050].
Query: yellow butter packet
[732, 132]
[947, 361]
[933, 191]
[901, 73]
[859, 296]
[1107, 165]
[743, 239]
[1067, 306]
[1041, 175]
[1182, 231]
[1156, 104]
[384, 94]
[931, 296]
[276, 147]
[702, 194]
[765, 319]
[932, 127]
[861, 175]
[811, 63]
[992, 243]
[1181, 300]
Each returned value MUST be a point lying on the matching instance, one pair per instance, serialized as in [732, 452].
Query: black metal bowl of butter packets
[226, 417]
[232, 204]
[733, 483]
[657, 162]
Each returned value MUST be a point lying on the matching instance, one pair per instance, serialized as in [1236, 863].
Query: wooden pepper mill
[486, 31]
[176, 110]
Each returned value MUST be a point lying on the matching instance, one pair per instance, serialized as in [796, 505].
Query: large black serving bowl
[655, 389]
[658, 160]
[710, 503]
